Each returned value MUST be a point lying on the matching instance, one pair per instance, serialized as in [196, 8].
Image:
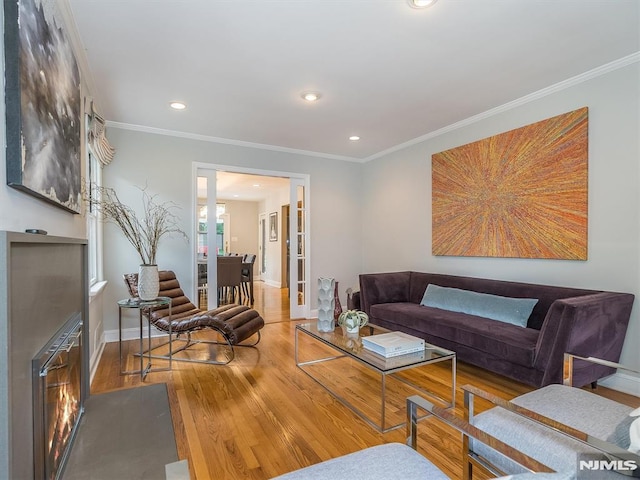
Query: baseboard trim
[132, 333]
[623, 383]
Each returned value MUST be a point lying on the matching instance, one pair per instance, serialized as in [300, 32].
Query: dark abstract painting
[43, 106]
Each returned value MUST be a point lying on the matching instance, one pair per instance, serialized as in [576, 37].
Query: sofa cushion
[504, 309]
[503, 340]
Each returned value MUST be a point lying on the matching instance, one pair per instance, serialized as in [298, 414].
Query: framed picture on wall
[43, 106]
[273, 227]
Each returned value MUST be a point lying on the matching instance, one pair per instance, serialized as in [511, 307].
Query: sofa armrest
[416, 403]
[590, 325]
[383, 288]
[353, 299]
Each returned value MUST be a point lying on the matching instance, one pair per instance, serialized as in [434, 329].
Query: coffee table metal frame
[384, 367]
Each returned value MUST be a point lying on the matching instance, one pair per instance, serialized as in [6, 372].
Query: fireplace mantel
[43, 282]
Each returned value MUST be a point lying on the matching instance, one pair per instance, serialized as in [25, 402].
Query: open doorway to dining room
[258, 212]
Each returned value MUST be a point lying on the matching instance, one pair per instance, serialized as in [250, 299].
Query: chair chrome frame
[610, 450]
[416, 403]
[189, 342]
[569, 359]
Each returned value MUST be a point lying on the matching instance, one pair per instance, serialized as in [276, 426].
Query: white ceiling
[244, 187]
[386, 72]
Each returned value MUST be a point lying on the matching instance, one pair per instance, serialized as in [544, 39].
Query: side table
[143, 306]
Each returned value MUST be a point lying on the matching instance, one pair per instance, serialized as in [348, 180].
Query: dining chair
[229, 279]
[247, 276]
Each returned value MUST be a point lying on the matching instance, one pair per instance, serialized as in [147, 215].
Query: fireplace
[57, 399]
[44, 305]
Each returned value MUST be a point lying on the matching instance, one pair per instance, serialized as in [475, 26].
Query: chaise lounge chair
[235, 323]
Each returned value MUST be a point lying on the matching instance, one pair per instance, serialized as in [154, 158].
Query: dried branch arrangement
[143, 233]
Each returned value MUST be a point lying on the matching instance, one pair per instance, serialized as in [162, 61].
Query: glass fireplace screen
[57, 402]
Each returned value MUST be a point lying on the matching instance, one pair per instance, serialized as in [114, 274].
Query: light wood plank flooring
[261, 416]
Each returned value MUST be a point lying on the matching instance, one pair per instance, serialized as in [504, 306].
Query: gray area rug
[124, 435]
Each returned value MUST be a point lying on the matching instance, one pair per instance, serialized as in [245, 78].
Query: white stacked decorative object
[326, 304]
[148, 282]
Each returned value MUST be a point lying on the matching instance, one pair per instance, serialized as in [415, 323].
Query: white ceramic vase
[326, 304]
[148, 282]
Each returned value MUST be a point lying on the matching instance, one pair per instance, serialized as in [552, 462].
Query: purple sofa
[582, 322]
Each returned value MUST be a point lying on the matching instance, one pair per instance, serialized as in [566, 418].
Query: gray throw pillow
[620, 435]
[504, 309]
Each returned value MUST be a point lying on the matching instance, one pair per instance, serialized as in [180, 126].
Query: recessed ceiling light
[256, 185]
[421, 3]
[354, 138]
[178, 105]
[311, 96]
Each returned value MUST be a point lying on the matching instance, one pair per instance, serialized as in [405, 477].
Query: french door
[209, 242]
[299, 248]
[299, 261]
[262, 241]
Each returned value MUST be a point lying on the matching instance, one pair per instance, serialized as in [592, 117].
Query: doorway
[262, 240]
[285, 247]
[281, 252]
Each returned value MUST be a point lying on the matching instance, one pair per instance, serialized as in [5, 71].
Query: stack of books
[393, 344]
[404, 360]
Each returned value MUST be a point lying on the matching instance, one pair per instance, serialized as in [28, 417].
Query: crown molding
[227, 141]
[570, 82]
[591, 74]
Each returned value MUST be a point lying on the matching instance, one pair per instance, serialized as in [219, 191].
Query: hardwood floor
[261, 416]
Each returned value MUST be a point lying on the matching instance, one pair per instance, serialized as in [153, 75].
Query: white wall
[244, 225]
[273, 249]
[164, 164]
[396, 197]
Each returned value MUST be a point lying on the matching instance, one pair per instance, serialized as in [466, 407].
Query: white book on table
[396, 353]
[408, 358]
[392, 344]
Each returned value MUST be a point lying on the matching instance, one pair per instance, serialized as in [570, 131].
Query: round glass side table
[143, 307]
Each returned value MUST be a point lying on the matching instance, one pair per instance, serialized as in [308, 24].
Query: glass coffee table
[370, 385]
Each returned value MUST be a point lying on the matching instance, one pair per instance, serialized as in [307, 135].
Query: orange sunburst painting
[519, 194]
